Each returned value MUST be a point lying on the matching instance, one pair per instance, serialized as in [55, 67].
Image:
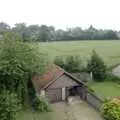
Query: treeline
[45, 33]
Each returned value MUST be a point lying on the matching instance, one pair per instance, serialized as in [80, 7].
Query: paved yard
[78, 110]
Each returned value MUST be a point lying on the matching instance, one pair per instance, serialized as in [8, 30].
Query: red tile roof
[53, 72]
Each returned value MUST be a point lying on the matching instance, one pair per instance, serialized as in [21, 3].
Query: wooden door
[54, 94]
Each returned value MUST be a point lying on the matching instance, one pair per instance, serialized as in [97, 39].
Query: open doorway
[73, 91]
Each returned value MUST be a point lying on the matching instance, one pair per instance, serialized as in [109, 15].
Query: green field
[108, 50]
[106, 89]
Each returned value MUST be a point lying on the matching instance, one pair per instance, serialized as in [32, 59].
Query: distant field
[108, 50]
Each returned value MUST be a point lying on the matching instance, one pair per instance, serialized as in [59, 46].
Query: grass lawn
[108, 50]
[31, 115]
[106, 89]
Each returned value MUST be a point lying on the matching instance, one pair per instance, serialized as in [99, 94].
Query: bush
[9, 106]
[111, 109]
[60, 62]
[41, 104]
[72, 64]
[97, 67]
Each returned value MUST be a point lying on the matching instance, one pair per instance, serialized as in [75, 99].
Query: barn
[58, 85]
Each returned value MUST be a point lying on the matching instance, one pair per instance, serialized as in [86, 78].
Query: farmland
[108, 50]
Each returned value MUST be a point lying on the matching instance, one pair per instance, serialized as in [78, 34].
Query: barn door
[54, 94]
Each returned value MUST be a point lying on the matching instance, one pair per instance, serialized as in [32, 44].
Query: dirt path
[77, 111]
[116, 71]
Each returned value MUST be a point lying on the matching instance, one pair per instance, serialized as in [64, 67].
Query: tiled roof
[53, 72]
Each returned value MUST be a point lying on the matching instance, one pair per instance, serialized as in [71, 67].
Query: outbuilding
[58, 85]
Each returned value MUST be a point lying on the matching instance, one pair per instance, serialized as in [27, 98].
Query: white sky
[62, 13]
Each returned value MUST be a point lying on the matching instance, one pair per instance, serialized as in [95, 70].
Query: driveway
[77, 110]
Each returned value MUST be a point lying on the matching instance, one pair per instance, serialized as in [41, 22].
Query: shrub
[71, 64]
[9, 106]
[41, 104]
[97, 67]
[111, 109]
[59, 61]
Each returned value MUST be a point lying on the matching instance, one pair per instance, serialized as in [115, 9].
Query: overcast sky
[62, 13]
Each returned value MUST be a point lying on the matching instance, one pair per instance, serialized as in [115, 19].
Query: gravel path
[77, 111]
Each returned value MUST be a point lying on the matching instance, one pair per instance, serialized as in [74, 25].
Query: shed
[58, 85]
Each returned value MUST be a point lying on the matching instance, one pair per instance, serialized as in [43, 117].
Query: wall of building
[63, 81]
[55, 90]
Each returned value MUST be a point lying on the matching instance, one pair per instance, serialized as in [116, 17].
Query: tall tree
[21, 31]
[52, 33]
[33, 32]
[3, 28]
[44, 33]
[18, 62]
[97, 67]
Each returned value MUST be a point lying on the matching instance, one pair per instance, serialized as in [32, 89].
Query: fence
[94, 100]
[91, 98]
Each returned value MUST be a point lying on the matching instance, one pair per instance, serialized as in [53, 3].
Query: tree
[73, 64]
[33, 32]
[97, 66]
[60, 34]
[52, 33]
[20, 30]
[76, 33]
[4, 27]
[9, 105]
[44, 33]
[18, 62]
